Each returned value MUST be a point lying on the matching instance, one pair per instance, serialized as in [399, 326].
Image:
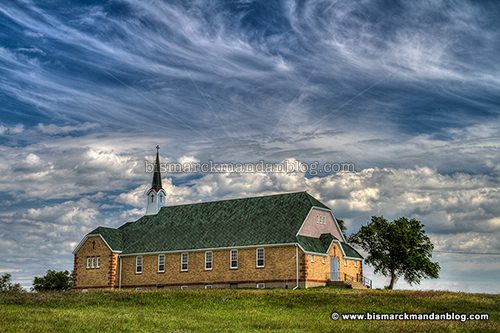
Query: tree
[398, 249]
[342, 226]
[53, 280]
[7, 285]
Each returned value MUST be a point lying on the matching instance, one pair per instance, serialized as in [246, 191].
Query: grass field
[239, 311]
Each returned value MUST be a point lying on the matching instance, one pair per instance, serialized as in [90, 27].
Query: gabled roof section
[315, 202]
[322, 244]
[112, 236]
[350, 251]
[265, 220]
[317, 245]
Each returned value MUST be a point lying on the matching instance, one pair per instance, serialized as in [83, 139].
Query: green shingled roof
[321, 245]
[112, 236]
[318, 245]
[350, 251]
[273, 219]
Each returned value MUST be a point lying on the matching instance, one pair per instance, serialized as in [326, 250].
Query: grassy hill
[239, 311]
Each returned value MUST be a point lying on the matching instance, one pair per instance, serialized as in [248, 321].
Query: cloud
[54, 129]
[407, 92]
[11, 130]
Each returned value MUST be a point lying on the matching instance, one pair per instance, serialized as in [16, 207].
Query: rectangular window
[312, 257]
[355, 263]
[320, 219]
[322, 260]
[93, 262]
[261, 285]
[260, 257]
[233, 257]
[184, 261]
[345, 262]
[161, 263]
[88, 262]
[208, 260]
[208, 286]
[97, 262]
[138, 264]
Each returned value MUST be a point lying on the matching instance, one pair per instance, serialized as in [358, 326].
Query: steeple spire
[156, 195]
[156, 185]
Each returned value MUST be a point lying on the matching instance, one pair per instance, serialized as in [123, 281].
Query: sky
[407, 91]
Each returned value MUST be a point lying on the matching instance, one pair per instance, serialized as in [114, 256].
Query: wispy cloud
[407, 92]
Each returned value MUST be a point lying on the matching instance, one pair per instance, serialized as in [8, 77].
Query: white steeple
[156, 195]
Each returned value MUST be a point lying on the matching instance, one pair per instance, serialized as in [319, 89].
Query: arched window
[152, 197]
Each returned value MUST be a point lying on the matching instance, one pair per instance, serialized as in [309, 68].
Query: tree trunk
[393, 280]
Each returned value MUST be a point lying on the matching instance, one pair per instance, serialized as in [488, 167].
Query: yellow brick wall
[318, 272]
[350, 270]
[85, 277]
[280, 265]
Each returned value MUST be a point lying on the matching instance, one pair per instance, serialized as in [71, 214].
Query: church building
[288, 240]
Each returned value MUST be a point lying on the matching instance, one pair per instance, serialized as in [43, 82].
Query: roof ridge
[236, 199]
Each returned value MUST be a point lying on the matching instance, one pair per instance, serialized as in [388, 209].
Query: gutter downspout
[120, 274]
[297, 266]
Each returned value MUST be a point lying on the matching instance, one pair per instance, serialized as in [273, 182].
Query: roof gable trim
[326, 210]
[93, 235]
[343, 252]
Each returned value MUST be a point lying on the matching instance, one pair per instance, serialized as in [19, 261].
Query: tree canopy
[342, 226]
[7, 286]
[397, 249]
[53, 280]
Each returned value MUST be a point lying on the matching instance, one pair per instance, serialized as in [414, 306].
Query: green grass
[239, 311]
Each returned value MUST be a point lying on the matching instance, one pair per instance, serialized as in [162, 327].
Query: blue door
[334, 269]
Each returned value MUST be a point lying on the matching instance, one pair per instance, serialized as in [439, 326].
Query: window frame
[320, 219]
[312, 258]
[187, 261]
[345, 262]
[257, 257]
[137, 259]
[158, 261]
[88, 262]
[355, 263]
[231, 259]
[260, 285]
[98, 262]
[93, 263]
[211, 262]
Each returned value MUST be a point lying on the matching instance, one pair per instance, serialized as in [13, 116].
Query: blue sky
[409, 92]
